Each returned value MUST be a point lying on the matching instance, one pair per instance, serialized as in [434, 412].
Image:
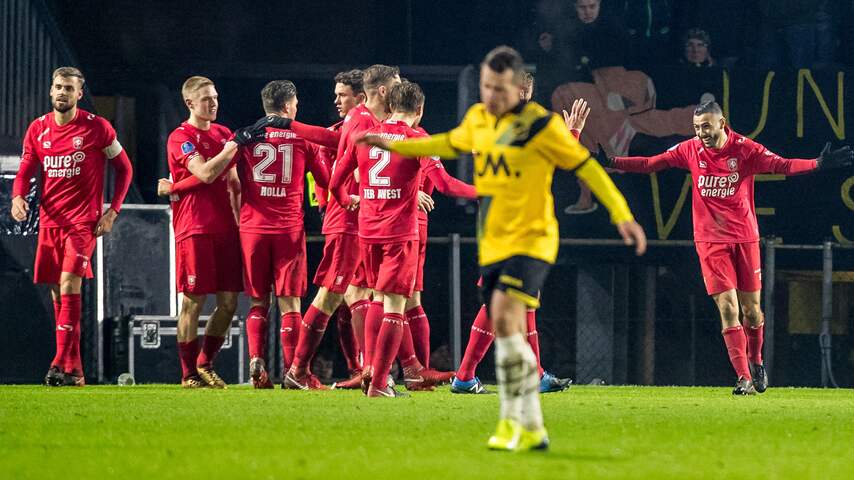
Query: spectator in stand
[697, 49]
[595, 40]
[649, 28]
[730, 23]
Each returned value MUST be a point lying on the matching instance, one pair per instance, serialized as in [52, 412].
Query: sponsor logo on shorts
[191, 279]
[65, 328]
[339, 279]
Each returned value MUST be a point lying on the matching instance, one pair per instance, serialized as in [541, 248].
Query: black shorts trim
[518, 276]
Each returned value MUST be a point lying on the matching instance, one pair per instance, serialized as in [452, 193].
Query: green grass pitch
[160, 432]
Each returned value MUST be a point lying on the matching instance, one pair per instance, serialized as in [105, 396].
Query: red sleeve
[445, 183]
[186, 185]
[318, 135]
[672, 158]
[575, 133]
[124, 174]
[763, 160]
[29, 166]
[345, 166]
[317, 167]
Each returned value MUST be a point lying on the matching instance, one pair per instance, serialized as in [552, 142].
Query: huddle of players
[372, 265]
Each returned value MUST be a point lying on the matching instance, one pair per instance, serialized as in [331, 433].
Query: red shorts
[274, 259]
[64, 249]
[728, 266]
[391, 267]
[209, 263]
[360, 277]
[339, 262]
[422, 257]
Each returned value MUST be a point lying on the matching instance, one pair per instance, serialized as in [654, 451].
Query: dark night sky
[127, 32]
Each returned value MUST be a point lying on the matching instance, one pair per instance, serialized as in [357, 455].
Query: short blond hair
[193, 84]
[66, 72]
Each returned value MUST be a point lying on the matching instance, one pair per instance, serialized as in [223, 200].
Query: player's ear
[361, 98]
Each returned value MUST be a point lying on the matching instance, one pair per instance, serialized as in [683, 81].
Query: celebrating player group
[238, 208]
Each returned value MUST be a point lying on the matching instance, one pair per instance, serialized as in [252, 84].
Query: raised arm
[317, 135]
[765, 161]
[662, 161]
[449, 185]
[207, 170]
[445, 145]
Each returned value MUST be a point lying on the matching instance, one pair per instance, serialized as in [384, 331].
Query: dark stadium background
[144, 50]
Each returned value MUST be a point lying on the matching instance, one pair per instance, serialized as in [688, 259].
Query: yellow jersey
[515, 156]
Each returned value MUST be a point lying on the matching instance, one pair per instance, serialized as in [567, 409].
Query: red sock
[289, 335]
[373, 322]
[347, 338]
[406, 352]
[755, 336]
[256, 332]
[534, 337]
[188, 352]
[312, 327]
[480, 339]
[57, 310]
[67, 335]
[420, 328]
[387, 345]
[76, 361]
[358, 311]
[736, 346]
[210, 347]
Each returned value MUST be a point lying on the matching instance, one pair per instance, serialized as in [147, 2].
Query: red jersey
[207, 207]
[722, 196]
[72, 159]
[338, 220]
[388, 209]
[272, 181]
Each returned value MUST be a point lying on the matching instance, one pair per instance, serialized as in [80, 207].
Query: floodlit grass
[159, 432]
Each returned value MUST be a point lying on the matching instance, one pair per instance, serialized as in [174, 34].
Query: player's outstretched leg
[415, 375]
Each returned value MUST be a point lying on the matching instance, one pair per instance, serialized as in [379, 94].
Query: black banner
[791, 113]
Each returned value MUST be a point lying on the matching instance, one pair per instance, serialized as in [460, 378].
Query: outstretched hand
[577, 115]
[839, 158]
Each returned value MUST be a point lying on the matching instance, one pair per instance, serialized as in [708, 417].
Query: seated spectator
[697, 49]
[595, 41]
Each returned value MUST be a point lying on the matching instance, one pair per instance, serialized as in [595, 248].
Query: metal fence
[606, 316]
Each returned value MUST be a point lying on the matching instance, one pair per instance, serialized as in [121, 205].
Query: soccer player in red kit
[70, 147]
[272, 232]
[207, 243]
[388, 224]
[339, 274]
[726, 234]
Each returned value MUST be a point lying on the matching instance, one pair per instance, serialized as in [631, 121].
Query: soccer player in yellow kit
[516, 148]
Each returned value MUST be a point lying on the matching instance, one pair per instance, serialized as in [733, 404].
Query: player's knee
[228, 304]
[192, 305]
[70, 284]
[752, 314]
[289, 304]
[327, 301]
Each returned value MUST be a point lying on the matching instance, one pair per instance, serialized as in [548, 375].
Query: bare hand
[633, 234]
[425, 202]
[354, 203]
[578, 115]
[105, 224]
[374, 141]
[20, 208]
[164, 187]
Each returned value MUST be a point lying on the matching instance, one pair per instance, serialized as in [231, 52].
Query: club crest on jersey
[77, 143]
[187, 147]
[46, 144]
[703, 164]
[732, 163]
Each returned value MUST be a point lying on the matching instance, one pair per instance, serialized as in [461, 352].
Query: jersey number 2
[269, 153]
[383, 158]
